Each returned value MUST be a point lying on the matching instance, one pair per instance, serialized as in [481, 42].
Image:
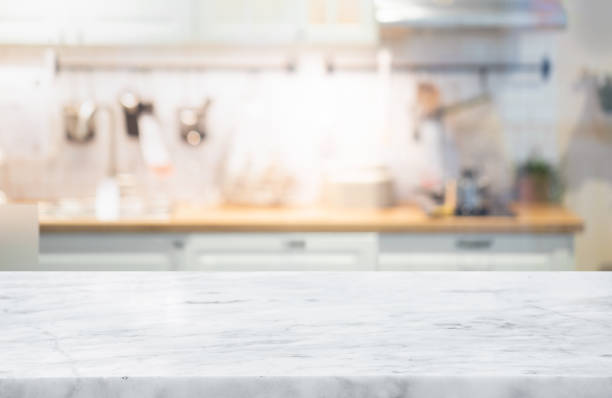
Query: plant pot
[534, 189]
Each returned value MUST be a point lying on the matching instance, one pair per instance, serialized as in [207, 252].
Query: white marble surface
[305, 335]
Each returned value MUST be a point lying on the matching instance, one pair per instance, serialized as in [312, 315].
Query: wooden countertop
[405, 218]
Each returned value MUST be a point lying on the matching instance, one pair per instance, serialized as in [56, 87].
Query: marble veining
[301, 334]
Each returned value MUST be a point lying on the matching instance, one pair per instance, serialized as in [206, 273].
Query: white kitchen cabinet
[286, 22]
[247, 22]
[207, 251]
[304, 251]
[281, 252]
[180, 22]
[29, 22]
[478, 252]
[109, 252]
[340, 22]
[109, 22]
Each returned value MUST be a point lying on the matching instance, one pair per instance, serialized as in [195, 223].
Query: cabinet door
[475, 252]
[179, 22]
[109, 22]
[340, 21]
[247, 22]
[108, 252]
[131, 22]
[281, 252]
[102, 261]
[28, 22]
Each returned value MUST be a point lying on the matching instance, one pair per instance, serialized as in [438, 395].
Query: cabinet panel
[109, 252]
[221, 261]
[247, 22]
[101, 261]
[304, 251]
[287, 252]
[434, 242]
[467, 262]
[110, 22]
[180, 22]
[340, 21]
[129, 22]
[481, 252]
[29, 22]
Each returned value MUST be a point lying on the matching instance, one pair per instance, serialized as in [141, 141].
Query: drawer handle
[474, 244]
[295, 244]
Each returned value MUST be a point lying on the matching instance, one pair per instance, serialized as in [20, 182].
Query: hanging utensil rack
[542, 68]
[248, 67]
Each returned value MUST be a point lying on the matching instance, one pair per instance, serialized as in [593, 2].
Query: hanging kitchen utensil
[605, 95]
[483, 97]
[133, 107]
[141, 123]
[429, 107]
[79, 122]
[192, 124]
[427, 101]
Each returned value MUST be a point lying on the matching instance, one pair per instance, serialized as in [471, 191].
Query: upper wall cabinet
[27, 22]
[247, 21]
[286, 21]
[147, 22]
[109, 22]
[186, 22]
[340, 21]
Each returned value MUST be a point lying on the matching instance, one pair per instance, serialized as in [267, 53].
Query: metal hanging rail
[249, 67]
[543, 68]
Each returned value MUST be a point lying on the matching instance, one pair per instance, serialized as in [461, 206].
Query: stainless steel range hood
[470, 14]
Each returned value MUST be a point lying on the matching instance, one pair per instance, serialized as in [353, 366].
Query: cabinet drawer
[466, 262]
[96, 261]
[477, 252]
[286, 252]
[108, 251]
[511, 243]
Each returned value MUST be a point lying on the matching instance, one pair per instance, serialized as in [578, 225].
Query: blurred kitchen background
[458, 119]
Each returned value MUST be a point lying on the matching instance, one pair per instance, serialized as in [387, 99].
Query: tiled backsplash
[303, 120]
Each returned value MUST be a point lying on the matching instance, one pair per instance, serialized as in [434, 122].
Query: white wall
[306, 119]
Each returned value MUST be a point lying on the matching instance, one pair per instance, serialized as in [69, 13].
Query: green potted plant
[537, 182]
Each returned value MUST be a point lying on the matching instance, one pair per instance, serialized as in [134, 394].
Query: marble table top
[305, 334]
